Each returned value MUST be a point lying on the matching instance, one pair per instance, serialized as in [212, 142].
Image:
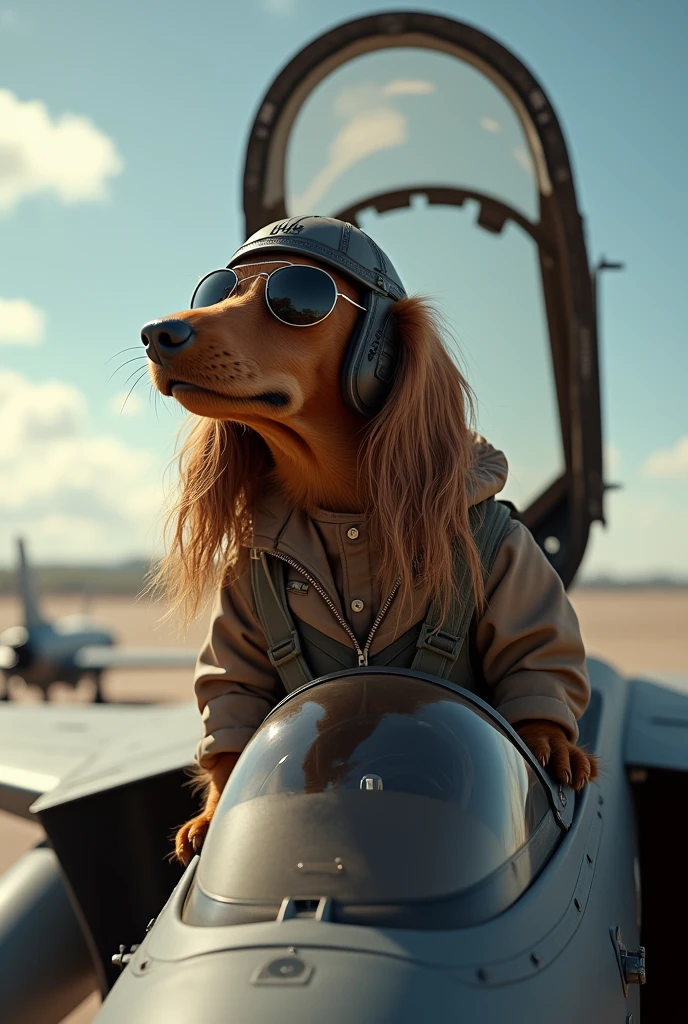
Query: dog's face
[243, 364]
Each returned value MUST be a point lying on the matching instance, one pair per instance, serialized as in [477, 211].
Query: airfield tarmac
[638, 631]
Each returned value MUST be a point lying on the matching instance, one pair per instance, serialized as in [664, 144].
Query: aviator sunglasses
[297, 294]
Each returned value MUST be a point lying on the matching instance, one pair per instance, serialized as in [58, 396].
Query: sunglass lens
[300, 296]
[214, 288]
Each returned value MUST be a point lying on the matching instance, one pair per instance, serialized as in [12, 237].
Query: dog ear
[417, 457]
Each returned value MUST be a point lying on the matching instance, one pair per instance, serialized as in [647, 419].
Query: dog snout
[165, 337]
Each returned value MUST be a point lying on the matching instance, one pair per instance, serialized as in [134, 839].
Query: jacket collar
[279, 526]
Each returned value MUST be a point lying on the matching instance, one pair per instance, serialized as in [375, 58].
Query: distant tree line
[637, 583]
[130, 578]
[127, 579]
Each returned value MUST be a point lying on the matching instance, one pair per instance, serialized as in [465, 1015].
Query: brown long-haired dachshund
[269, 409]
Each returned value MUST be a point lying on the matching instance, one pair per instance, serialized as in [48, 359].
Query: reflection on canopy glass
[412, 118]
[403, 117]
[350, 772]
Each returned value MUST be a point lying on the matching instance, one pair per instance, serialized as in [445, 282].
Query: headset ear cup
[371, 362]
[388, 353]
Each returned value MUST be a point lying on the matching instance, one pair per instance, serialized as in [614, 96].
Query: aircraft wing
[46, 748]
[94, 658]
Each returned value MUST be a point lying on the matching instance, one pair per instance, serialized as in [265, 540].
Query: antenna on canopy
[602, 264]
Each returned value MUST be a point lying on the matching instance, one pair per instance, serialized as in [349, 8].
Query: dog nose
[165, 336]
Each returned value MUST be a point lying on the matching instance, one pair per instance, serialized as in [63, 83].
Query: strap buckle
[439, 642]
[285, 650]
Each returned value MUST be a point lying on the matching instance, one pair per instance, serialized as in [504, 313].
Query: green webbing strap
[438, 648]
[284, 647]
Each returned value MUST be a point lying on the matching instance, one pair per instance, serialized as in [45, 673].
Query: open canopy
[438, 142]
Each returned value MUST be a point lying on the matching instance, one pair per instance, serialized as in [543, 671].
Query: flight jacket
[527, 641]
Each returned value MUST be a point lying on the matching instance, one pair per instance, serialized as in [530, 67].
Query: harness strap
[437, 649]
[284, 646]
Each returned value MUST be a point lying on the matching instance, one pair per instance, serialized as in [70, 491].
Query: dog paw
[190, 838]
[563, 760]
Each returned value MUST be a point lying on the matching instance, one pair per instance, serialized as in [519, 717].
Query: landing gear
[99, 697]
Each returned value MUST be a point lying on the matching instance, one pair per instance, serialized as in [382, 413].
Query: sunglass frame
[283, 265]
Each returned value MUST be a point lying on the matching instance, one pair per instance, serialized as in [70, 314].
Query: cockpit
[381, 798]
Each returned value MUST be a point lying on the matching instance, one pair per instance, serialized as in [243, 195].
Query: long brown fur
[415, 460]
[219, 465]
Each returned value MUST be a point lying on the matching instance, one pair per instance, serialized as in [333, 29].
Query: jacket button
[357, 605]
[352, 533]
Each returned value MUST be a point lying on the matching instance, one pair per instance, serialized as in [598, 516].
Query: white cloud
[371, 124]
[490, 125]
[668, 463]
[68, 157]
[36, 413]
[127, 403]
[408, 87]
[73, 494]
[10, 20]
[523, 159]
[21, 323]
[366, 133]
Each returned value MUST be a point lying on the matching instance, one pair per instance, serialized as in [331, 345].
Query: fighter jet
[387, 851]
[68, 649]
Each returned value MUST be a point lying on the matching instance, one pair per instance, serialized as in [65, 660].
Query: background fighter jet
[42, 652]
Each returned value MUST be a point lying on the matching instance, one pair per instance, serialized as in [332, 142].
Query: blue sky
[134, 117]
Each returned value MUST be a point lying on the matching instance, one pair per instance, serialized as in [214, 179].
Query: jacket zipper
[362, 654]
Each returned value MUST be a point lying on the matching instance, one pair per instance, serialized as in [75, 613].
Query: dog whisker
[145, 370]
[130, 348]
[156, 396]
[137, 381]
[135, 359]
[153, 395]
